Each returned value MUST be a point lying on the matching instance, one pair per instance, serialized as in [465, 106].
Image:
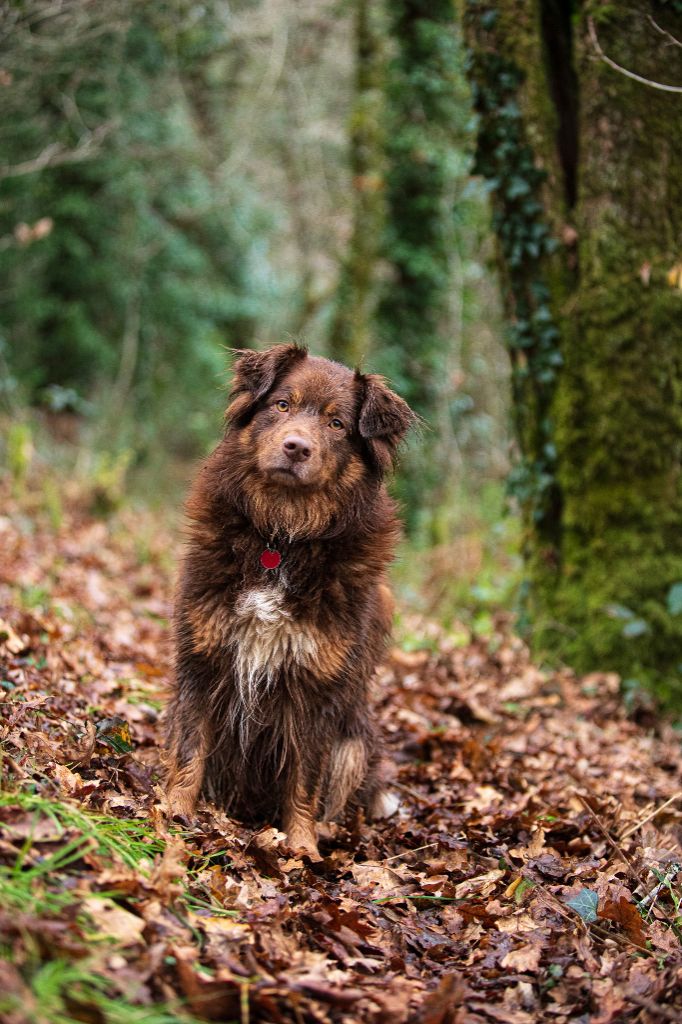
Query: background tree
[204, 149]
[412, 299]
[413, 326]
[350, 336]
[146, 270]
[176, 181]
[583, 162]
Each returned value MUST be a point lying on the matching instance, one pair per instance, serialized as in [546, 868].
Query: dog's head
[311, 432]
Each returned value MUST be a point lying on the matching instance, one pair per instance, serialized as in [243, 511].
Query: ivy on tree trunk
[584, 167]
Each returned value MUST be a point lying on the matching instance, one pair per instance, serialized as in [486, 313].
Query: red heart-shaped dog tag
[270, 559]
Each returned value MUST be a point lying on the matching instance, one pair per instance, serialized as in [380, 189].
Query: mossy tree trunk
[585, 163]
[349, 338]
[412, 321]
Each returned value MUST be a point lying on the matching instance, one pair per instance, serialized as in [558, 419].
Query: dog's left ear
[384, 420]
[254, 374]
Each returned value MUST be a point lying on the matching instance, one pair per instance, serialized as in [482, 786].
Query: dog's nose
[296, 448]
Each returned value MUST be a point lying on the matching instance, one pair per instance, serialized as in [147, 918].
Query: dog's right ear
[256, 373]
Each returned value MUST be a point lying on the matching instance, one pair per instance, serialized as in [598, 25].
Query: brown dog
[283, 609]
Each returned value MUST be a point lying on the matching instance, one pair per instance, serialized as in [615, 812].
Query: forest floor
[532, 873]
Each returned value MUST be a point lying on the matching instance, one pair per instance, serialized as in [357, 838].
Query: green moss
[426, 111]
[617, 408]
[350, 331]
[600, 578]
[619, 424]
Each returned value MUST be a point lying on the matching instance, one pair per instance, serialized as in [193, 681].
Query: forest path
[526, 878]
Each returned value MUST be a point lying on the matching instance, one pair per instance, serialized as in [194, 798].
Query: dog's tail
[347, 769]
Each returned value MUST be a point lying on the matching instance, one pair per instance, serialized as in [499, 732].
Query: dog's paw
[180, 807]
[384, 805]
[180, 819]
[311, 852]
[302, 843]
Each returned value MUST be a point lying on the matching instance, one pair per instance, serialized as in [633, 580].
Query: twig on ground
[650, 816]
[664, 883]
[404, 853]
[618, 849]
[651, 1007]
[244, 1002]
[620, 939]
[568, 913]
[412, 792]
[18, 771]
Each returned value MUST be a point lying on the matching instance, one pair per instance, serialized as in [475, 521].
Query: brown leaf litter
[532, 873]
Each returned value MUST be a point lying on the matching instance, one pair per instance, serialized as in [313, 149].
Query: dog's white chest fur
[266, 639]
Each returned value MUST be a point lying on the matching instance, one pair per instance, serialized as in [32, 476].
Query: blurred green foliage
[178, 179]
[464, 582]
[145, 263]
[427, 113]
[413, 301]
[351, 328]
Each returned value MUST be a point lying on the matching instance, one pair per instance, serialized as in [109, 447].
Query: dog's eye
[336, 424]
[282, 405]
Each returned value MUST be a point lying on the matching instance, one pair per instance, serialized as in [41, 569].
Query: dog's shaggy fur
[270, 712]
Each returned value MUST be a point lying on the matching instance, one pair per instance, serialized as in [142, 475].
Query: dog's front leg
[298, 816]
[188, 747]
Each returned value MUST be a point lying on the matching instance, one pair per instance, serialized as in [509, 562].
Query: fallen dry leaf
[113, 921]
[454, 911]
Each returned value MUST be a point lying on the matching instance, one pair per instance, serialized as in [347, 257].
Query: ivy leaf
[517, 187]
[115, 733]
[635, 627]
[619, 611]
[585, 903]
[674, 600]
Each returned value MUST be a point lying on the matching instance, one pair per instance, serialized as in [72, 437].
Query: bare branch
[55, 154]
[673, 40]
[624, 71]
